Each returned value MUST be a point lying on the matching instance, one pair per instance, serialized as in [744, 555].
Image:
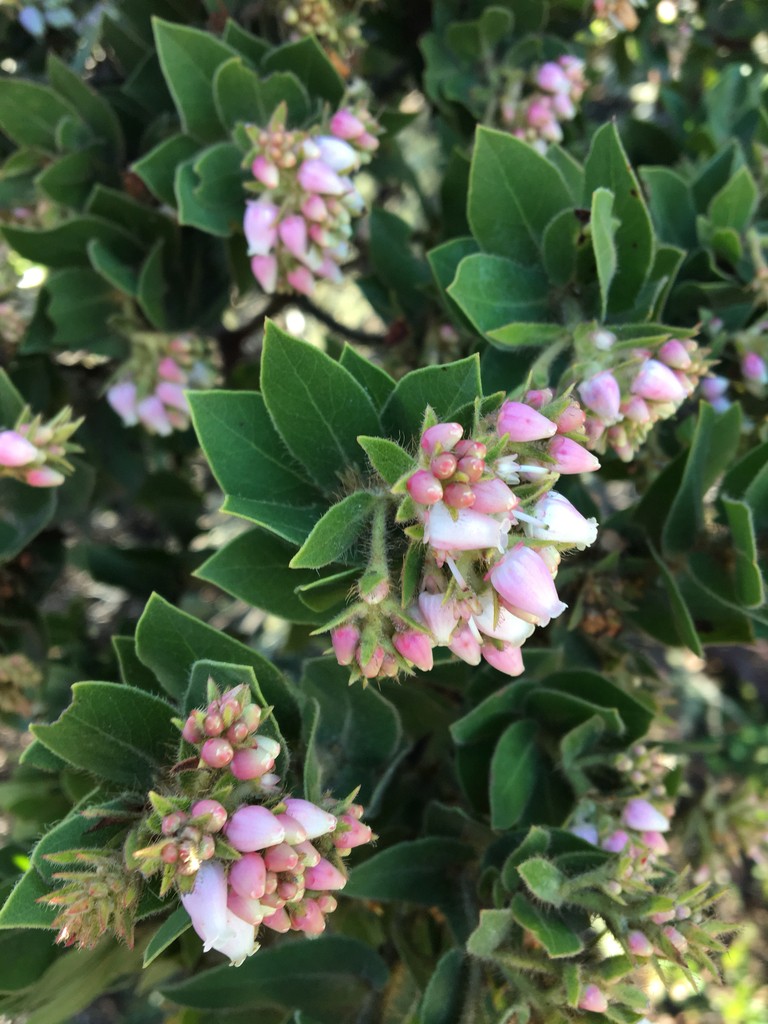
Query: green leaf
[514, 768]
[749, 581]
[671, 202]
[152, 287]
[265, 484]
[316, 405]
[209, 190]
[242, 97]
[114, 271]
[570, 170]
[447, 990]
[166, 935]
[91, 107]
[712, 450]
[423, 871]
[132, 671]
[21, 909]
[24, 512]
[114, 732]
[600, 692]
[169, 642]
[387, 457]
[253, 567]
[513, 194]
[735, 204]
[329, 978]
[189, 59]
[372, 378]
[66, 244]
[403, 275]
[11, 401]
[444, 261]
[251, 47]
[448, 389]
[602, 226]
[69, 180]
[307, 60]
[30, 113]
[564, 236]
[157, 168]
[357, 737]
[80, 304]
[543, 879]
[514, 335]
[681, 616]
[336, 531]
[556, 937]
[492, 932]
[493, 292]
[607, 165]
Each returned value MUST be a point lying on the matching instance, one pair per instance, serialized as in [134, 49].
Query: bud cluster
[17, 675]
[336, 30]
[149, 388]
[35, 452]
[300, 227]
[239, 854]
[537, 117]
[491, 530]
[634, 389]
[751, 347]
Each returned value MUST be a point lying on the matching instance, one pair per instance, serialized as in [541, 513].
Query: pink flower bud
[313, 208]
[602, 395]
[248, 910]
[371, 668]
[215, 812]
[616, 841]
[552, 78]
[216, 752]
[592, 999]
[639, 944]
[662, 916]
[571, 419]
[443, 466]
[172, 395]
[459, 496]
[472, 468]
[525, 583]
[15, 450]
[213, 724]
[469, 449]
[264, 269]
[677, 939]
[206, 904]
[538, 113]
[152, 414]
[586, 832]
[278, 921]
[326, 903]
[337, 154]
[122, 398]
[469, 531]
[259, 225]
[43, 477]
[415, 648]
[293, 235]
[560, 522]
[169, 369]
[312, 818]
[441, 437]
[655, 841]
[643, 816]
[754, 369]
[345, 125]
[424, 488]
[265, 172]
[301, 280]
[295, 832]
[251, 764]
[636, 409]
[464, 645]
[192, 732]
[440, 616]
[281, 858]
[657, 382]
[508, 660]
[253, 828]
[367, 142]
[317, 176]
[493, 496]
[308, 855]
[563, 106]
[324, 876]
[237, 733]
[570, 457]
[248, 875]
[345, 640]
[675, 354]
[522, 423]
[356, 834]
[308, 918]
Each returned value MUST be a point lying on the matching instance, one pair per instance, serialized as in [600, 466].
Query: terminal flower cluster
[491, 530]
[335, 24]
[537, 117]
[300, 227]
[35, 452]
[239, 853]
[149, 388]
[627, 391]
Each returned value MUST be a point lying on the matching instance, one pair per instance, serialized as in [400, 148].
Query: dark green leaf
[517, 334]
[166, 935]
[749, 581]
[492, 292]
[681, 616]
[22, 910]
[735, 203]
[336, 532]
[242, 97]
[30, 113]
[24, 512]
[447, 991]
[671, 202]
[65, 244]
[514, 767]
[116, 272]
[373, 379]
[92, 108]
[388, 459]
[309, 62]
[209, 190]
[157, 168]
[555, 936]
[69, 180]
[448, 389]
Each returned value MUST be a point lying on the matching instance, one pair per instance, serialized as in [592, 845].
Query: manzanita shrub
[383, 479]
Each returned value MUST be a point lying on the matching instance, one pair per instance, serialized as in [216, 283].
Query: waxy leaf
[376, 382]
[492, 291]
[449, 389]
[514, 767]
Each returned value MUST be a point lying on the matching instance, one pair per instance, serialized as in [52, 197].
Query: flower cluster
[537, 117]
[751, 349]
[490, 531]
[149, 388]
[337, 30]
[18, 675]
[35, 452]
[630, 390]
[239, 853]
[300, 227]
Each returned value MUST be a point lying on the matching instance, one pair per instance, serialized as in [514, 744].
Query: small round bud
[217, 752]
[237, 732]
[169, 853]
[472, 468]
[443, 466]
[215, 812]
[192, 732]
[459, 496]
[213, 724]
